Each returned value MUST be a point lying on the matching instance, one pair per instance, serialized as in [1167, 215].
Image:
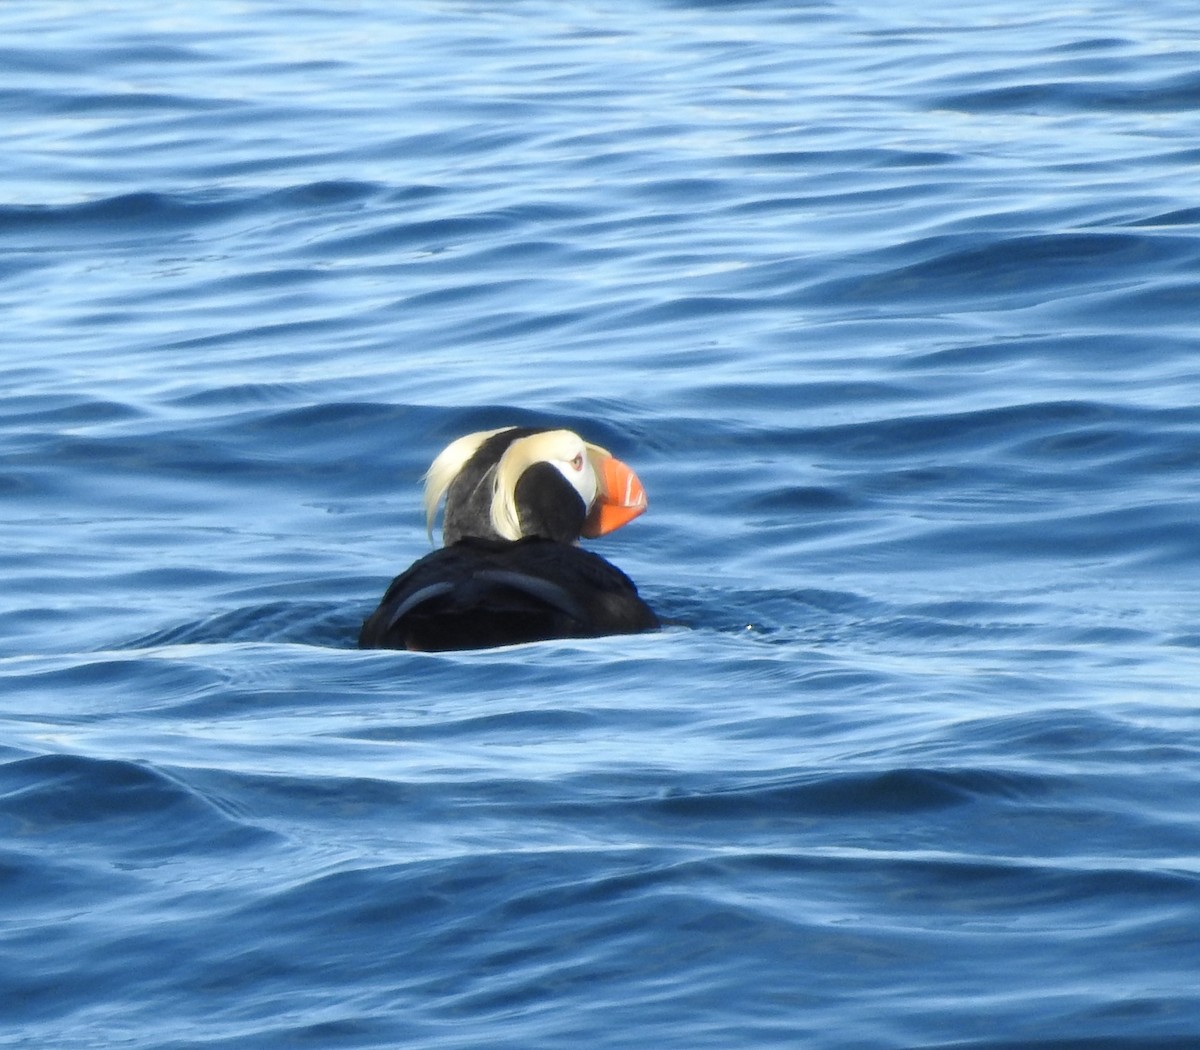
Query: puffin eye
[577, 462]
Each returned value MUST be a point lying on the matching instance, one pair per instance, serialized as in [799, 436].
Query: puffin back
[479, 594]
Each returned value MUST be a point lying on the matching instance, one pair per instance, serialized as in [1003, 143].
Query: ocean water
[895, 309]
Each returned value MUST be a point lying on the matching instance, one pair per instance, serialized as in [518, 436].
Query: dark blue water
[896, 312]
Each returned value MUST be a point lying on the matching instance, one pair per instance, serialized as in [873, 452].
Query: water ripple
[893, 313]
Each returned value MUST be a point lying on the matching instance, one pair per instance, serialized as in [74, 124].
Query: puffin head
[518, 482]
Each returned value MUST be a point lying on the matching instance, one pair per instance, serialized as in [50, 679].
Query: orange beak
[620, 500]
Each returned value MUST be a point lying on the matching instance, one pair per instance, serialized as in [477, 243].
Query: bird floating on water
[517, 502]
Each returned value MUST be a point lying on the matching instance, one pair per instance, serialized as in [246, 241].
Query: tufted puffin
[517, 500]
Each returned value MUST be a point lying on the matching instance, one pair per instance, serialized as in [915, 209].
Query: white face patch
[564, 450]
[577, 469]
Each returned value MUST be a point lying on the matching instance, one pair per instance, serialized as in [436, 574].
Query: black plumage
[480, 593]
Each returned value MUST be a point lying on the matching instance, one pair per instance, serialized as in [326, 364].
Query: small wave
[1023, 270]
[22, 411]
[155, 212]
[113, 806]
[126, 212]
[1179, 93]
[316, 623]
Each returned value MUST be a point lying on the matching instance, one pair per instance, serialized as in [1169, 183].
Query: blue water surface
[895, 309]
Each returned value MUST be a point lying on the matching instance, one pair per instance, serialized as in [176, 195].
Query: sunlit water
[895, 311]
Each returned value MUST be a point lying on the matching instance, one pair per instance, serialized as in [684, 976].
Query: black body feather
[480, 593]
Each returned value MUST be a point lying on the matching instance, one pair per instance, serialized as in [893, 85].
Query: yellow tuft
[446, 466]
[519, 457]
